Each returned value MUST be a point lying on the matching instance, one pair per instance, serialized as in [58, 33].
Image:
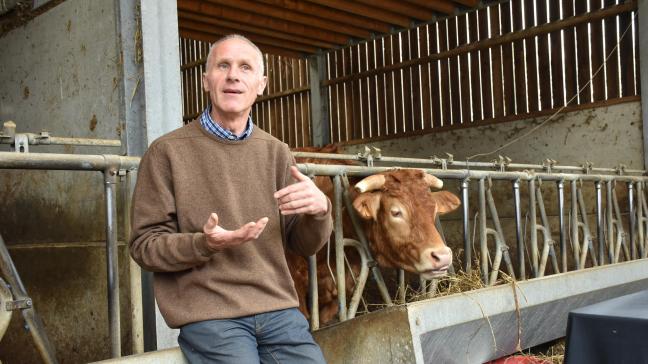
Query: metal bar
[32, 319]
[574, 225]
[586, 228]
[339, 249]
[640, 219]
[621, 234]
[401, 286]
[362, 171]
[633, 226]
[313, 294]
[466, 226]
[70, 162]
[361, 280]
[134, 272]
[610, 223]
[38, 139]
[500, 232]
[483, 238]
[561, 224]
[533, 229]
[497, 260]
[599, 222]
[464, 164]
[112, 267]
[357, 225]
[519, 234]
[547, 246]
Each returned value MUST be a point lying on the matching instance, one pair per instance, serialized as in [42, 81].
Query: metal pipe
[466, 226]
[533, 230]
[483, 238]
[610, 223]
[69, 162]
[548, 243]
[32, 319]
[461, 164]
[574, 223]
[518, 229]
[362, 171]
[110, 179]
[362, 277]
[599, 222]
[357, 225]
[45, 139]
[339, 249]
[313, 294]
[631, 210]
[587, 232]
[401, 286]
[621, 234]
[497, 260]
[561, 224]
[134, 272]
[640, 220]
[498, 228]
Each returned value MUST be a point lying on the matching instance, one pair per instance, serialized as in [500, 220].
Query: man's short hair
[239, 37]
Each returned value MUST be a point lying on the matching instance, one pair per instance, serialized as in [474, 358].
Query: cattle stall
[512, 103]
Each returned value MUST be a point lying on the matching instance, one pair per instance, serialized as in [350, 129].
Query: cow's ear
[446, 201]
[367, 204]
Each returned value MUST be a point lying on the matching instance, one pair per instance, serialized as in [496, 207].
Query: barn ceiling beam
[293, 16]
[366, 11]
[442, 6]
[249, 29]
[401, 8]
[244, 17]
[212, 37]
[256, 38]
[330, 13]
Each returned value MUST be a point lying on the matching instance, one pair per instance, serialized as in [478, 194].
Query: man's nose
[232, 74]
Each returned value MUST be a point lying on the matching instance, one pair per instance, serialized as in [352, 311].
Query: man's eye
[223, 66]
[246, 67]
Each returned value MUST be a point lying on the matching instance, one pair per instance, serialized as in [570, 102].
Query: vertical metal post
[533, 229]
[466, 227]
[483, 237]
[610, 223]
[319, 107]
[518, 229]
[561, 222]
[339, 249]
[134, 272]
[631, 210]
[640, 219]
[599, 222]
[574, 225]
[112, 266]
[313, 292]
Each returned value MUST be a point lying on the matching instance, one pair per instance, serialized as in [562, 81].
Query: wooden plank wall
[369, 98]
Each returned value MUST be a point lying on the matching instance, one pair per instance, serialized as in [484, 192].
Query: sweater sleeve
[155, 242]
[307, 234]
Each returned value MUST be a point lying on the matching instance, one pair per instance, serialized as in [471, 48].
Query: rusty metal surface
[381, 337]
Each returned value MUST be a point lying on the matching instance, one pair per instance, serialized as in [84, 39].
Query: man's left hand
[302, 197]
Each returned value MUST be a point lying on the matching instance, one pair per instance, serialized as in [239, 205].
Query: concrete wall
[60, 73]
[606, 136]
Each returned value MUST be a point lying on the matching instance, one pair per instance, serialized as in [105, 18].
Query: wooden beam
[244, 17]
[468, 3]
[496, 41]
[401, 8]
[212, 37]
[329, 13]
[244, 29]
[256, 38]
[442, 6]
[293, 16]
[366, 11]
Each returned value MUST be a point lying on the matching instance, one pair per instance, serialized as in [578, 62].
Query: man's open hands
[219, 238]
[302, 197]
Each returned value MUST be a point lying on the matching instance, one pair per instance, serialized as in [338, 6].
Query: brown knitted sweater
[188, 174]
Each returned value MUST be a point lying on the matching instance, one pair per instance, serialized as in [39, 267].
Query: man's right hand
[219, 238]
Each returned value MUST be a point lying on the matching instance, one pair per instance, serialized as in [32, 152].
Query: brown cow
[398, 212]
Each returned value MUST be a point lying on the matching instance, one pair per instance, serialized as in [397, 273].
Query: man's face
[233, 79]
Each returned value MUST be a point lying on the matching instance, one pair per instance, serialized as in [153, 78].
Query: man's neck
[235, 124]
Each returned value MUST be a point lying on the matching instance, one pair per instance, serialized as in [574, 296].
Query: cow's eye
[396, 213]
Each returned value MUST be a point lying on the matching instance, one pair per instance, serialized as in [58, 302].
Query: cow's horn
[371, 183]
[433, 181]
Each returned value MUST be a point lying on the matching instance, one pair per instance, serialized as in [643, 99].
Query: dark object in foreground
[612, 331]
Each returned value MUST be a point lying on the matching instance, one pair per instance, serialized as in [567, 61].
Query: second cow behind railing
[398, 210]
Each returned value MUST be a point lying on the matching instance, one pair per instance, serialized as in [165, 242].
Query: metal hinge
[18, 304]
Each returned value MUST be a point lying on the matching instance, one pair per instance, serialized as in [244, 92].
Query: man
[215, 206]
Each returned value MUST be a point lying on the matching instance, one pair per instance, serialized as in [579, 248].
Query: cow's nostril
[435, 257]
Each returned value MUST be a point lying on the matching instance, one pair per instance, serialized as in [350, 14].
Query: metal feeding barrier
[615, 239]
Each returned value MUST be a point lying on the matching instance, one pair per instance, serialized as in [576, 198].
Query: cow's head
[401, 210]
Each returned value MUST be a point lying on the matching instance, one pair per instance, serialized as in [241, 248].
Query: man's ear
[367, 204]
[262, 85]
[205, 84]
[446, 201]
